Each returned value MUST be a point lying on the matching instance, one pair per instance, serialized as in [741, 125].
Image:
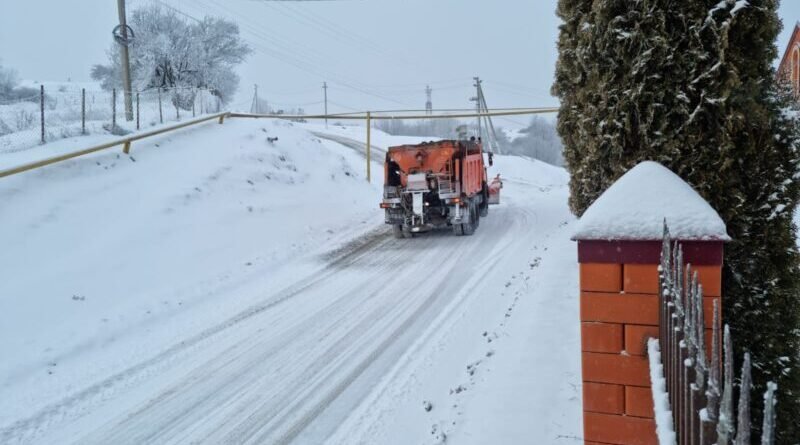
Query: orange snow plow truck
[435, 185]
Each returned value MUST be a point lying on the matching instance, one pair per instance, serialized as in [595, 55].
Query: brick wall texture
[619, 312]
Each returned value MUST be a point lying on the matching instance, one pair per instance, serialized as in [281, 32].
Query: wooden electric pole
[126, 62]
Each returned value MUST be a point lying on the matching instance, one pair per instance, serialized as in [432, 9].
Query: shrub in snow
[691, 85]
[10, 91]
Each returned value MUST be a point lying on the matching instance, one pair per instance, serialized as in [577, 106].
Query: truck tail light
[386, 205]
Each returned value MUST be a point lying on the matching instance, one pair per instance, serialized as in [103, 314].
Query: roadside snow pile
[106, 248]
[529, 171]
[379, 138]
[663, 414]
[636, 206]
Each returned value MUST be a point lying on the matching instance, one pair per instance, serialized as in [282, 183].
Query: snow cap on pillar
[636, 206]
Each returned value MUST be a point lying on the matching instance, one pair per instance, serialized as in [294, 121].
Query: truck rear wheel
[485, 204]
[397, 231]
[472, 221]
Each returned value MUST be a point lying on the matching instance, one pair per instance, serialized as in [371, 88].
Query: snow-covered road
[374, 340]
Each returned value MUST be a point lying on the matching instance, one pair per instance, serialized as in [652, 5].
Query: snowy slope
[99, 249]
[216, 287]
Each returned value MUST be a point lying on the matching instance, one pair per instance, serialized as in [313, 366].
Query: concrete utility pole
[490, 130]
[126, 61]
[478, 104]
[325, 88]
[429, 102]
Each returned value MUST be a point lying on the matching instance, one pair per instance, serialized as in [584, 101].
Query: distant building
[789, 69]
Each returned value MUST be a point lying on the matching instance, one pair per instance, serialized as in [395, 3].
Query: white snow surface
[663, 413]
[215, 288]
[636, 206]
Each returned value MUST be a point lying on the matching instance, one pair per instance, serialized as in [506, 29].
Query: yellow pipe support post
[369, 146]
[126, 148]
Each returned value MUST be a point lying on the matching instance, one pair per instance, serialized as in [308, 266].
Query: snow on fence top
[635, 207]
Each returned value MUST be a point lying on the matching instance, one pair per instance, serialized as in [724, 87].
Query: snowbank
[663, 414]
[636, 206]
[358, 132]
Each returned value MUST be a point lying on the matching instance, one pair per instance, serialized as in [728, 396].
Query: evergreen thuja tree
[690, 84]
[755, 189]
[618, 71]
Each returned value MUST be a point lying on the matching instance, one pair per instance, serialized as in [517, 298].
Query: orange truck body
[434, 185]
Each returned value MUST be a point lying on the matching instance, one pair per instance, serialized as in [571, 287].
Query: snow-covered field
[214, 287]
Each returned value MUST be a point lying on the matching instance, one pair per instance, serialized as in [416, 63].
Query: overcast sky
[375, 54]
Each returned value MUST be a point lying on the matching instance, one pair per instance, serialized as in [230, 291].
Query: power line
[322, 24]
[308, 67]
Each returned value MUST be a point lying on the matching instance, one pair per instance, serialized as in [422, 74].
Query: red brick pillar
[619, 312]
[619, 250]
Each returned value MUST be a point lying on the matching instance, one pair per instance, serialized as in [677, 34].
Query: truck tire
[472, 221]
[407, 233]
[458, 230]
[397, 231]
[485, 201]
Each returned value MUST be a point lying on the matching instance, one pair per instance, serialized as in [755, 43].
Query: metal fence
[63, 112]
[700, 390]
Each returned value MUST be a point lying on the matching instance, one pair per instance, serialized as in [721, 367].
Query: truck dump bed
[435, 184]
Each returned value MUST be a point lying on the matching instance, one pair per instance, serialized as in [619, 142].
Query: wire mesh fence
[58, 113]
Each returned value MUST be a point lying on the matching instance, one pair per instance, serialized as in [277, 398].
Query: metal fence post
[83, 110]
[194, 100]
[113, 110]
[41, 109]
[137, 110]
[160, 110]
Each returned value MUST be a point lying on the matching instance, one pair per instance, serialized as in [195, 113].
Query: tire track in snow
[267, 374]
[28, 429]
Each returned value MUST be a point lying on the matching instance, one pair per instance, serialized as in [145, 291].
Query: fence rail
[700, 390]
[125, 142]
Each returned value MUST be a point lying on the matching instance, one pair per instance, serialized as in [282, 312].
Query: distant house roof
[789, 46]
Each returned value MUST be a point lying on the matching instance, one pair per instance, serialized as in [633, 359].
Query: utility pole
[478, 104]
[126, 61]
[429, 102]
[254, 108]
[491, 132]
[325, 88]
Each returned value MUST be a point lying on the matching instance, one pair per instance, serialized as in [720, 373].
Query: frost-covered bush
[172, 52]
[10, 90]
